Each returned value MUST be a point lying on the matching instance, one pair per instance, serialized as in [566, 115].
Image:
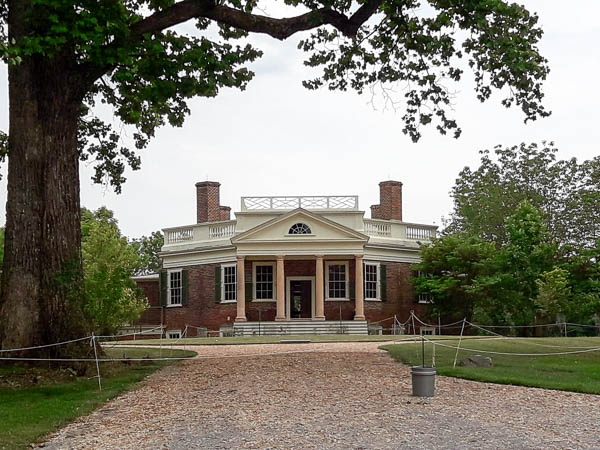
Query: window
[424, 297]
[337, 280]
[175, 288]
[174, 334]
[371, 281]
[229, 282]
[264, 276]
[300, 228]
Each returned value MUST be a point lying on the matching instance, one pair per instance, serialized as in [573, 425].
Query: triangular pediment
[278, 230]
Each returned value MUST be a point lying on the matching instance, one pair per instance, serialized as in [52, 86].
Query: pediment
[278, 230]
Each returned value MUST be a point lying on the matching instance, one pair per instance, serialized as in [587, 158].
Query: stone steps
[300, 327]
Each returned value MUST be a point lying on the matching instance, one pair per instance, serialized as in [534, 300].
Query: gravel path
[346, 395]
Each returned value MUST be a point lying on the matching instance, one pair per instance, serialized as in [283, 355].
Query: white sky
[277, 138]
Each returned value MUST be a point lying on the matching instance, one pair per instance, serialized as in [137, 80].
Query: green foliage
[448, 269]
[129, 55]
[112, 298]
[473, 278]
[567, 192]
[553, 294]
[148, 248]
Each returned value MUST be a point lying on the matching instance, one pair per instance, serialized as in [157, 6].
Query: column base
[241, 319]
[360, 318]
[318, 318]
[280, 319]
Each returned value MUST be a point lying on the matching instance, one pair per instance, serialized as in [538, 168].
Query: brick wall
[152, 315]
[204, 311]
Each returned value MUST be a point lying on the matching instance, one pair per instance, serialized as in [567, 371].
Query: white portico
[301, 235]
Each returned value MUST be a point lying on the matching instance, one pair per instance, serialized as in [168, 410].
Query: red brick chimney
[390, 201]
[208, 204]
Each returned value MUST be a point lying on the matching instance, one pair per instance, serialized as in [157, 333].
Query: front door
[300, 299]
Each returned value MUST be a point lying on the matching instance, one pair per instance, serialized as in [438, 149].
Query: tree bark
[42, 298]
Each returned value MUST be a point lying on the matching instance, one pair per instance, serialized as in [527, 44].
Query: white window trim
[424, 299]
[169, 304]
[336, 263]
[223, 282]
[274, 290]
[173, 331]
[378, 289]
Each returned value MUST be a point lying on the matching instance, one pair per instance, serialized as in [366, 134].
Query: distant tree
[112, 298]
[148, 248]
[553, 295]
[448, 269]
[66, 56]
[567, 192]
[473, 278]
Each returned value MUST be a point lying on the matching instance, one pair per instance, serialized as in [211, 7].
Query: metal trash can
[423, 381]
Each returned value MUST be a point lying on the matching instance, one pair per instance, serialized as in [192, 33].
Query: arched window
[299, 228]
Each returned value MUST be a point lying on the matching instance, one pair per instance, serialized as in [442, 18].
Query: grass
[35, 401]
[576, 372]
[246, 340]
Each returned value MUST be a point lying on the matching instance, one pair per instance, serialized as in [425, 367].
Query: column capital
[319, 256]
[240, 258]
[280, 257]
[359, 256]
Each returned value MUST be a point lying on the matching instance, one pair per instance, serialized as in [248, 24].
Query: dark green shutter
[383, 282]
[218, 284]
[248, 290]
[351, 287]
[163, 283]
[184, 287]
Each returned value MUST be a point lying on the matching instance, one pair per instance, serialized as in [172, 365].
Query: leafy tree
[567, 192]
[148, 248]
[583, 268]
[66, 56]
[112, 298]
[553, 294]
[447, 272]
[473, 278]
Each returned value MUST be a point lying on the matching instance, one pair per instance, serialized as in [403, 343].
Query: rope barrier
[512, 338]
[44, 346]
[587, 350]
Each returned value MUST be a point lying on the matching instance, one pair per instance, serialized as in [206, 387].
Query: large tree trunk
[41, 300]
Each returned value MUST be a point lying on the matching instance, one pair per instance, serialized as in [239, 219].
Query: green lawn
[576, 372]
[35, 402]
[243, 340]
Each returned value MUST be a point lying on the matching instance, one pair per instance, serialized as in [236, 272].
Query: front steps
[299, 327]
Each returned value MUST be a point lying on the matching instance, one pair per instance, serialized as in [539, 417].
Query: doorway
[299, 299]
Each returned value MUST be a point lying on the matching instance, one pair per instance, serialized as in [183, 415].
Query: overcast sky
[277, 138]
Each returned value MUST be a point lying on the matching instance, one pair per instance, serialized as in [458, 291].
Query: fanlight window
[299, 228]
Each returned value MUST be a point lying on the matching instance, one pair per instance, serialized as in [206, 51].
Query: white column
[358, 286]
[280, 288]
[241, 291]
[319, 306]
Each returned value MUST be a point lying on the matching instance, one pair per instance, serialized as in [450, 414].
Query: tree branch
[278, 28]
[255, 23]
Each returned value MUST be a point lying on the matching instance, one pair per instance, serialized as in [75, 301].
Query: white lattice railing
[378, 228]
[349, 202]
[221, 231]
[420, 232]
[179, 235]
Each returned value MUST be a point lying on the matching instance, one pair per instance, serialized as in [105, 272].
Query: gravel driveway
[346, 395]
